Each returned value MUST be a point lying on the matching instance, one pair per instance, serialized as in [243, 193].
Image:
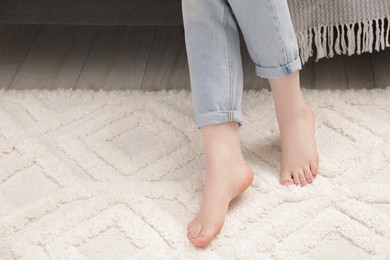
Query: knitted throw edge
[318, 20]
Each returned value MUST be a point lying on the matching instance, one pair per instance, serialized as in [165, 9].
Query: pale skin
[227, 173]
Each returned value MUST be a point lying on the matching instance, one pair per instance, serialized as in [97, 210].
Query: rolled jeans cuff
[218, 117]
[281, 71]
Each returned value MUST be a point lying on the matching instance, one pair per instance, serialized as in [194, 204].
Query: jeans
[213, 51]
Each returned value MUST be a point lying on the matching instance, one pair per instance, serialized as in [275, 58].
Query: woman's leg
[214, 60]
[270, 37]
[300, 158]
[213, 51]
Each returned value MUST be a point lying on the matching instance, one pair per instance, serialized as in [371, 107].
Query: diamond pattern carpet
[119, 174]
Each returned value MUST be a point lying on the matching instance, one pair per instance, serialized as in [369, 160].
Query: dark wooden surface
[147, 58]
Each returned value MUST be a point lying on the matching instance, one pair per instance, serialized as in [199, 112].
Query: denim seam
[230, 107]
[280, 66]
[212, 113]
[281, 70]
[282, 40]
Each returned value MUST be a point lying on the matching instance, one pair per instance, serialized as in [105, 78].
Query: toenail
[193, 237]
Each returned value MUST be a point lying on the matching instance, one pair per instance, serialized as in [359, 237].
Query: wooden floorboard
[148, 58]
[15, 42]
[118, 58]
[166, 67]
[381, 68]
[330, 73]
[306, 74]
[359, 71]
[55, 58]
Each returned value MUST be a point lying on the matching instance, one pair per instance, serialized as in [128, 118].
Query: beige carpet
[118, 175]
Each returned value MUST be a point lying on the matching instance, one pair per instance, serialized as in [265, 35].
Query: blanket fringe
[347, 40]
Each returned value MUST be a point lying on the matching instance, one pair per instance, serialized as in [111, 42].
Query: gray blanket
[340, 26]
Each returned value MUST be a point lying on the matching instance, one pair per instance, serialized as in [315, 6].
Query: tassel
[310, 42]
[387, 33]
[351, 39]
[377, 35]
[324, 37]
[382, 34]
[367, 42]
[371, 36]
[343, 44]
[302, 43]
[337, 43]
[317, 41]
[359, 37]
[308, 46]
[331, 53]
[364, 37]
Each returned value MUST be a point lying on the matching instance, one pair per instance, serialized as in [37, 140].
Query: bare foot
[299, 164]
[227, 176]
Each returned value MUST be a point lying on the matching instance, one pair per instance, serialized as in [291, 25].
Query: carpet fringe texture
[119, 174]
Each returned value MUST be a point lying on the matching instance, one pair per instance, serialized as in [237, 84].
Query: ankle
[301, 109]
[219, 131]
[223, 155]
[222, 140]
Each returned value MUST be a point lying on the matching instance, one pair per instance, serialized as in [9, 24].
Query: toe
[302, 177]
[314, 168]
[201, 241]
[196, 229]
[205, 236]
[296, 178]
[189, 226]
[308, 175]
[285, 178]
[287, 182]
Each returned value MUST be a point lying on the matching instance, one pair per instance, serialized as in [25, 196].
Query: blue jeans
[213, 51]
